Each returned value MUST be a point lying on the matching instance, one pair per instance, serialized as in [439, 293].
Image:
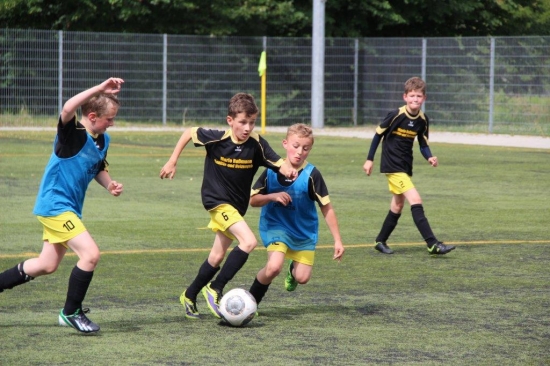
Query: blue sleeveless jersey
[65, 180]
[296, 224]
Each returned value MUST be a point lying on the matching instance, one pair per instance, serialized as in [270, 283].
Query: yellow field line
[348, 246]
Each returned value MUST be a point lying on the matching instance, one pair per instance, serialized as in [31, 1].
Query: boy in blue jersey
[289, 223]
[397, 133]
[232, 159]
[79, 156]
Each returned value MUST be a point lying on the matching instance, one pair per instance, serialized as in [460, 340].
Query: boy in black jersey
[397, 133]
[79, 155]
[232, 159]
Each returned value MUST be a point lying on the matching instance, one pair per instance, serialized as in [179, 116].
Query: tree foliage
[282, 18]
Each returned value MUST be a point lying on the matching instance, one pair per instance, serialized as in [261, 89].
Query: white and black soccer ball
[237, 307]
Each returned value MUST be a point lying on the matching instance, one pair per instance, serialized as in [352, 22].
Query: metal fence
[477, 84]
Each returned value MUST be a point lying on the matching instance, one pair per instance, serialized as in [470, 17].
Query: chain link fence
[479, 84]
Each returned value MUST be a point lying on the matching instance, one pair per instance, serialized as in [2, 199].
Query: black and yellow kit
[230, 166]
[397, 132]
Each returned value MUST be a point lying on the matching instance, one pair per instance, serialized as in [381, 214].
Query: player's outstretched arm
[332, 223]
[109, 86]
[169, 169]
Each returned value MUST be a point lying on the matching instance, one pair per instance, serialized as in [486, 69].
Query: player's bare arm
[332, 222]
[109, 86]
[259, 200]
[169, 169]
[104, 179]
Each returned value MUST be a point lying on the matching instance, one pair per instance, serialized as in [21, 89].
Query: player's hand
[367, 167]
[283, 198]
[168, 171]
[115, 188]
[288, 171]
[338, 251]
[111, 85]
[433, 161]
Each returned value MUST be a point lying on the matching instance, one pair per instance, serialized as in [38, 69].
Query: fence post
[60, 73]
[355, 81]
[318, 65]
[492, 85]
[164, 76]
[423, 69]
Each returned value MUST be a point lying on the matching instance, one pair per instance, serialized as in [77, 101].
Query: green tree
[284, 18]
[436, 18]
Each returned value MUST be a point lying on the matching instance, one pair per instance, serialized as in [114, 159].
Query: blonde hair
[300, 130]
[415, 83]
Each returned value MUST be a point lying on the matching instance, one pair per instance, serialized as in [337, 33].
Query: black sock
[234, 262]
[206, 273]
[390, 222]
[422, 224]
[258, 290]
[14, 277]
[79, 281]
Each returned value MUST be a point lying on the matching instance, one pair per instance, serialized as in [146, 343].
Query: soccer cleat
[191, 311]
[440, 248]
[78, 321]
[290, 281]
[382, 247]
[213, 298]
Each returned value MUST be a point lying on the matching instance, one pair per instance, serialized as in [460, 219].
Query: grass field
[486, 303]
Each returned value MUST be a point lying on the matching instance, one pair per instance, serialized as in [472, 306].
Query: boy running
[79, 156]
[232, 159]
[289, 223]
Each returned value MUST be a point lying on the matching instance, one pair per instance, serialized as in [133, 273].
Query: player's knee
[397, 207]
[47, 268]
[302, 280]
[273, 270]
[215, 259]
[248, 246]
[91, 261]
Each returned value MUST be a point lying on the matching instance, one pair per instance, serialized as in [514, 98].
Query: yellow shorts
[301, 256]
[222, 217]
[62, 228]
[399, 183]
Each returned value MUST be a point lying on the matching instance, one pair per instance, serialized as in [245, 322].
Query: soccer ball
[237, 307]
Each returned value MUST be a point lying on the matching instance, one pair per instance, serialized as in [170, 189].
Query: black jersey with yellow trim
[317, 188]
[399, 130]
[230, 166]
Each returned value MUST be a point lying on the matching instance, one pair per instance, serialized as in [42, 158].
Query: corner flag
[262, 67]
[263, 64]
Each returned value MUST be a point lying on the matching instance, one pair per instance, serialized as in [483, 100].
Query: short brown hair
[300, 130]
[242, 103]
[100, 104]
[415, 83]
